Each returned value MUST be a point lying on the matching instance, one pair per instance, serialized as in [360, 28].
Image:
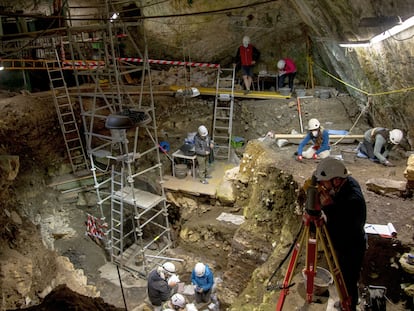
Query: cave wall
[298, 29]
[306, 30]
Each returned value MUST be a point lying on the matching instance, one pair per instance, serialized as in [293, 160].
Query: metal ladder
[133, 212]
[223, 113]
[65, 113]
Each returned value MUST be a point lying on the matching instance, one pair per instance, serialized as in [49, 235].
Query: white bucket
[284, 91]
[300, 92]
[323, 278]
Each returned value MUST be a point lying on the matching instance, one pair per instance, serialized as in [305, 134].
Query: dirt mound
[62, 298]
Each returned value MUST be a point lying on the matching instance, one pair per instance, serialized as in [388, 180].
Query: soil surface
[33, 195]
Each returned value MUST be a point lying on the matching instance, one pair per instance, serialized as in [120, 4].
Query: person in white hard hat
[177, 302]
[287, 69]
[342, 202]
[203, 148]
[319, 137]
[246, 57]
[161, 281]
[378, 142]
[203, 280]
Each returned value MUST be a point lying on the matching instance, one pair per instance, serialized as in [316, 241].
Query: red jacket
[289, 66]
[246, 55]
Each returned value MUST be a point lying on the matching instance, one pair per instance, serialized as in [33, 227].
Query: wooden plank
[70, 181]
[297, 138]
[237, 93]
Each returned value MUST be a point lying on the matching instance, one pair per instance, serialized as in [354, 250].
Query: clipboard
[385, 231]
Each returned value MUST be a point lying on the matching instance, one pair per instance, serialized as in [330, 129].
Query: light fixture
[394, 30]
[114, 17]
[355, 44]
[409, 22]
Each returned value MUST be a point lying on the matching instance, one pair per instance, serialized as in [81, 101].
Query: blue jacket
[309, 137]
[205, 282]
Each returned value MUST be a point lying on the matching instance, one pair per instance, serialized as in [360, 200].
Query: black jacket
[158, 289]
[346, 218]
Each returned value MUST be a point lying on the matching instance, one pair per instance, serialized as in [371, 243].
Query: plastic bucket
[323, 278]
[324, 94]
[284, 91]
[300, 92]
[181, 171]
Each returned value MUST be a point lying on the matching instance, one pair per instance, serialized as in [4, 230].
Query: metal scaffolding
[118, 137]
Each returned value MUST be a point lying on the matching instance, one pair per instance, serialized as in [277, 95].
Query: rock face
[306, 30]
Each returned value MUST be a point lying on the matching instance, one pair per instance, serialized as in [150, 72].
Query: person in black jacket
[160, 284]
[343, 204]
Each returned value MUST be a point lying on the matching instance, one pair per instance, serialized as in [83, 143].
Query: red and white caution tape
[95, 228]
[95, 64]
[169, 62]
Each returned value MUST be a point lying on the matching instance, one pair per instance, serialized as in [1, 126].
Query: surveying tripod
[314, 231]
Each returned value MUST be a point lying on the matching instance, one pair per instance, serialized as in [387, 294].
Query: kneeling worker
[319, 137]
[378, 142]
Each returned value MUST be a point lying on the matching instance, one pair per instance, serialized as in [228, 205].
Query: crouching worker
[319, 137]
[203, 280]
[378, 142]
[178, 303]
[161, 281]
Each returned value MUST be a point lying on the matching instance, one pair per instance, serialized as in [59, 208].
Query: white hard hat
[313, 124]
[281, 64]
[169, 267]
[246, 40]
[178, 300]
[202, 130]
[395, 136]
[330, 168]
[200, 269]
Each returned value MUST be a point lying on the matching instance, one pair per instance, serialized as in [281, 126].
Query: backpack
[188, 149]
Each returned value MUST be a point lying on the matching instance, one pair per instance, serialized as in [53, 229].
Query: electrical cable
[135, 18]
[122, 288]
[270, 287]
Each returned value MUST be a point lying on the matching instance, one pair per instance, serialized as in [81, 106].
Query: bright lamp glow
[114, 17]
[356, 44]
[385, 35]
[394, 30]
[1, 67]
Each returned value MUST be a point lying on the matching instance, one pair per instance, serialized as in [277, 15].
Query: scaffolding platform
[142, 199]
[237, 93]
[194, 186]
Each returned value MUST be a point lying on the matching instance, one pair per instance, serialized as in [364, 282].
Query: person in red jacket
[287, 68]
[246, 57]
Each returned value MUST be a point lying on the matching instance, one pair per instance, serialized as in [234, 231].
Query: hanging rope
[356, 121]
